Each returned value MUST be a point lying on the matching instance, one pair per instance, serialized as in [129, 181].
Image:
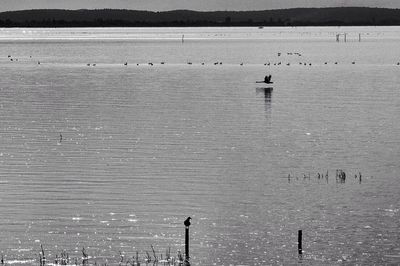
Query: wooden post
[300, 248]
[359, 37]
[187, 244]
[187, 257]
[345, 37]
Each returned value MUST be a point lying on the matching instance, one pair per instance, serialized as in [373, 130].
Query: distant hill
[342, 16]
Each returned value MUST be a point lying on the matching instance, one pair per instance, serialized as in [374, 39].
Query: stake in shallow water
[187, 224]
[299, 241]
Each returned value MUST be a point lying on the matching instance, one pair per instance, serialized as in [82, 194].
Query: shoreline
[294, 17]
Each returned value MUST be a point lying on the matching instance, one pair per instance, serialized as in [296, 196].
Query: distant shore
[342, 16]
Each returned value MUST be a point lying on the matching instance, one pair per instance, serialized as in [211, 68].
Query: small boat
[267, 80]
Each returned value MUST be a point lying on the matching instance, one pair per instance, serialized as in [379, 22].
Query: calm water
[143, 147]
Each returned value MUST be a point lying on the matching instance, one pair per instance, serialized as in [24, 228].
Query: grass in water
[144, 259]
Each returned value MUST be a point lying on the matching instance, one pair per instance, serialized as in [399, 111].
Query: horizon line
[199, 11]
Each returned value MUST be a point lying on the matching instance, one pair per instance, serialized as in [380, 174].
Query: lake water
[113, 158]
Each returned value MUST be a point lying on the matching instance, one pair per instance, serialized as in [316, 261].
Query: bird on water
[187, 222]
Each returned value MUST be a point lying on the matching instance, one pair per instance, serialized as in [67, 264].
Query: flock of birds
[340, 176]
[242, 64]
[14, 59]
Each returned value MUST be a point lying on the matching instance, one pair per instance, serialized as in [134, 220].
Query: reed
[42, 257]
[154, 254]
[85, 257]
[149, 258]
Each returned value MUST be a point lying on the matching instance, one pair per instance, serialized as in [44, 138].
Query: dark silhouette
[187, 256]
[187, 222]
[299, 244]
[340, 176]
[336, 16]
[267, 80]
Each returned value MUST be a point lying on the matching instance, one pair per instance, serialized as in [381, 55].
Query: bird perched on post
[187, 222]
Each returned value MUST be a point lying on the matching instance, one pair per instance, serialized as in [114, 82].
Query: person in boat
[267, 79]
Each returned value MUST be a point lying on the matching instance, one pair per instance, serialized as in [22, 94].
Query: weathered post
[187, 243]
[187, 224]
[299, 241]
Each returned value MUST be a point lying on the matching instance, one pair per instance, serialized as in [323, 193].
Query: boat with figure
[267, 80]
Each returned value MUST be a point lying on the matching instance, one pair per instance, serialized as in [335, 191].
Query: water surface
[143, 147]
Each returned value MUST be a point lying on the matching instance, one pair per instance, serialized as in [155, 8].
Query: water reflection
[267, 92]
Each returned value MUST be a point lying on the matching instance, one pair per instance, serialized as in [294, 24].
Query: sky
[201, 5]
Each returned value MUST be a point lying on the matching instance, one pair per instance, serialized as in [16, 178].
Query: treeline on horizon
[342, 16]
